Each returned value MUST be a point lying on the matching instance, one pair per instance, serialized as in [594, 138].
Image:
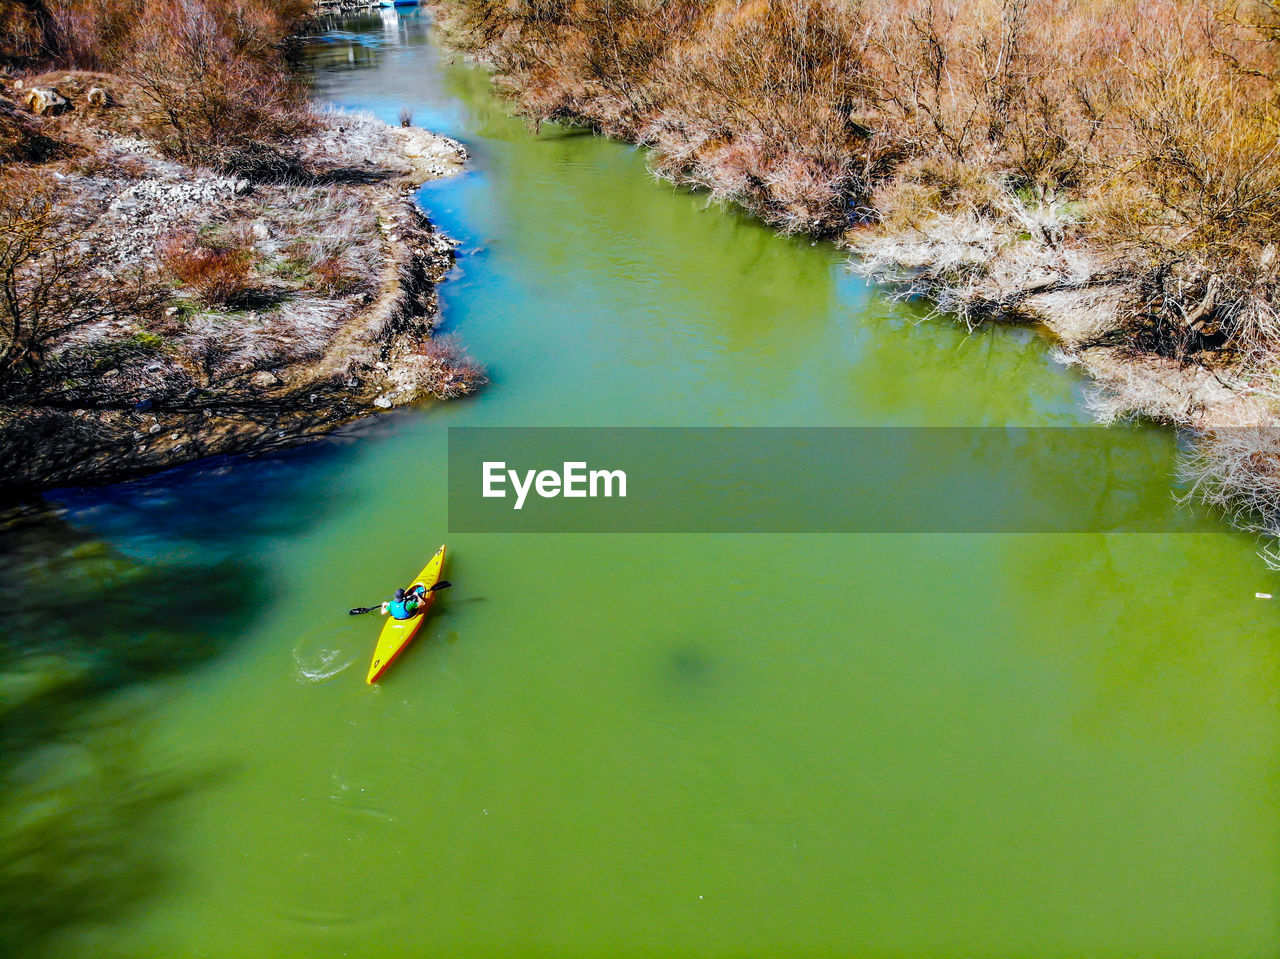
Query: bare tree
[212, 81]
[49, 284]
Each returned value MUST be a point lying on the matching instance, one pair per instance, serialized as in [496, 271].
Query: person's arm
[418, 596]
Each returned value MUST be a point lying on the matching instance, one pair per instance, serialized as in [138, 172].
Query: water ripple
[317, 665]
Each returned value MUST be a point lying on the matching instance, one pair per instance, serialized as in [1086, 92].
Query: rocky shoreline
[339, 7]
[323, 311]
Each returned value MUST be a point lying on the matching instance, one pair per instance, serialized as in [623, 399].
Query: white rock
[41, 100]
[382, 403]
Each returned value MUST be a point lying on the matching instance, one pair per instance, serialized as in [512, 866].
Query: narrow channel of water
[859, 745]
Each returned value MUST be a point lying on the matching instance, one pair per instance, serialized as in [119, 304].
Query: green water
[857, 745]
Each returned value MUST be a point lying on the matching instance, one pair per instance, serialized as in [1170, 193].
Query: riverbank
[292, 302]
[1114, 192]
[181, 291]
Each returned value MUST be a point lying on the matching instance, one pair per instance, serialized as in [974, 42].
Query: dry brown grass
[332, 250]
[219, 274]
[28, 33]
[334, 277]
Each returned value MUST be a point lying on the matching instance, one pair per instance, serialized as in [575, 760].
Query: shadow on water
[78, 619]
[81, 628]
[82, 838]
[223, 503]
[98, 599]
[687, 672]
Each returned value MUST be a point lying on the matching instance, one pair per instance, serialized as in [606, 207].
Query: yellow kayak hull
[396, 633]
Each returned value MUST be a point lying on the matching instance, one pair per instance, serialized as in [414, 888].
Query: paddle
[360, 610]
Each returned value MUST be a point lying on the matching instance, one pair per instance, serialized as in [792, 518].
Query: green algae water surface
[911, 746]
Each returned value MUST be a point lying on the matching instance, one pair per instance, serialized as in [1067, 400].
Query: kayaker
[405, 605]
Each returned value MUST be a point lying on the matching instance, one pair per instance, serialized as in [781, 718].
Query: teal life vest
[408, 607]
[400, 608]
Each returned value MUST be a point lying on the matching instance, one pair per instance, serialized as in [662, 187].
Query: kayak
[396, 633]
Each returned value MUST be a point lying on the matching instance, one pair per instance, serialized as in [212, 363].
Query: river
[874, 745]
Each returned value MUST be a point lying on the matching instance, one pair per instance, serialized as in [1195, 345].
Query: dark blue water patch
[222, 503]
[79, 619]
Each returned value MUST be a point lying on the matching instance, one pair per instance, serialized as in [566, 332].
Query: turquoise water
[828, 745]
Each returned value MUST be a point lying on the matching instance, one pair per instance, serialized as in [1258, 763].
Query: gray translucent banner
[814, 480]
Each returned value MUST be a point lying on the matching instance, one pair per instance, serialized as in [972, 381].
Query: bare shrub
[775, 91]
[102, 34]
[218, 272]
[1195, 202]
[440, 367]
[212, 70]
[1132, 392]
[1156, 119]
[1236, 471]
[212, 89]
[801, 108]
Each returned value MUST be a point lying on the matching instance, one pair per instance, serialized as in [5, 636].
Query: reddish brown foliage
[334, 278]
[27, 33]
[211, 71]
[219, 275]
[214, 77]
